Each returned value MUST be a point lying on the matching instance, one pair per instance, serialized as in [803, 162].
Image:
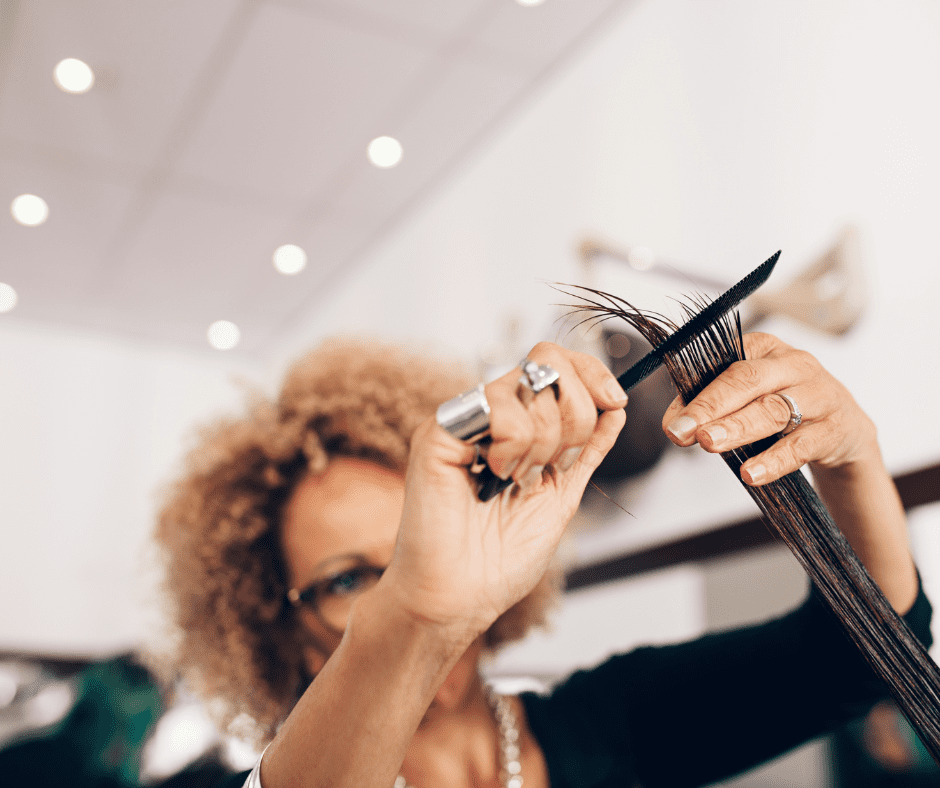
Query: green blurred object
[99, 743]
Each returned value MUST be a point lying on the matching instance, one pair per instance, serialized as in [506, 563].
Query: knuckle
[736, 425]
[743, 375]
[545, 351]
[582, 426]
[778, 408]
[806, 361]
[759, 343]
[515, 432]
[801, 446]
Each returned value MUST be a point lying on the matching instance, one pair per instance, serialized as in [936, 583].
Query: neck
[458, 743]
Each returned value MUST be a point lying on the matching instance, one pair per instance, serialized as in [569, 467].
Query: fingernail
[532, 476]
[682, 427]
[568, 457]
[716, 434]
[507, 471]
[614, 391]
[754, 473]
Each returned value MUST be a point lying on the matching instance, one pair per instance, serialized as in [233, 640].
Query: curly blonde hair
[237, 641]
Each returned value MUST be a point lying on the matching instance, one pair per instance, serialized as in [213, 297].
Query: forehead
[354, 507]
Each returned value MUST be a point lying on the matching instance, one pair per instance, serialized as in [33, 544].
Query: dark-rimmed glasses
[331, 599]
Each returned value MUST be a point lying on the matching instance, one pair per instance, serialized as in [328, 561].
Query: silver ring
[466, 416]
[536, 377]
[796, 417]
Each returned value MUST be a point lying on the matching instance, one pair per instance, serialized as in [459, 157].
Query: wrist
[388, 609]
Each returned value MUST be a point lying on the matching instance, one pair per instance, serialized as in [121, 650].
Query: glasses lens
[335, 595]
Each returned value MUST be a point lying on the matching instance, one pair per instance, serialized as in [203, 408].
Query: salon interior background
[712, 133]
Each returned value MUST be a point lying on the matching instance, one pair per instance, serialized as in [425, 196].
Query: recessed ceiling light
[641, 258]
[29, 209]
[530, 2]
[7, 297]
[73, 76]
[290, 259]
[385, 152]
[223, 335]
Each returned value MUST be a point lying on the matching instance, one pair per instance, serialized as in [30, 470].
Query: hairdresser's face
[347, 516]
[353, 509]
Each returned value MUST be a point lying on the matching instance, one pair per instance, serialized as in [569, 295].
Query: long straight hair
[794, 510]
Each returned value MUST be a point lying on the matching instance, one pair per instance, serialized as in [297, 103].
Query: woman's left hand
[744, 405]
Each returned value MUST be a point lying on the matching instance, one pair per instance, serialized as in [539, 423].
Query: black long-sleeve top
[695, 713]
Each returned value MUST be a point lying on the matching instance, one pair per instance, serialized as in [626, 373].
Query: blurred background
[195, 192]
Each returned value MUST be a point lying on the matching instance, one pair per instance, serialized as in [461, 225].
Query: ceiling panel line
[203, 89]
[448, 52]
[344, 267]
[89, 167]
[362, 21]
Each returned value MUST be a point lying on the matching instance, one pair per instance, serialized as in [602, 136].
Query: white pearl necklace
[510, 773]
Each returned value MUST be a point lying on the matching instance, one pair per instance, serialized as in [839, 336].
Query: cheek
[314, 660]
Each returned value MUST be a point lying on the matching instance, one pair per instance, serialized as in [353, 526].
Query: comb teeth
[640, 371]
[694, 327]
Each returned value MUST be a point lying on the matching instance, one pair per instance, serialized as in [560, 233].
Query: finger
[675, 407]
[545, 413]
[786, 455]
[740, 384]
[606, 393]
[608, 427]
[511, 428]
[767, 415]
[578, 374]
[432, 440]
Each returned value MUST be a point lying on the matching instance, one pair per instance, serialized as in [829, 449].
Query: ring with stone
[796, 417]
[535, 378]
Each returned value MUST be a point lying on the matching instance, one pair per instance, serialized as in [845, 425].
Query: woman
[337, 579]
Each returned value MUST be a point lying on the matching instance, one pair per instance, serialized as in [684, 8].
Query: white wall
[91, 426]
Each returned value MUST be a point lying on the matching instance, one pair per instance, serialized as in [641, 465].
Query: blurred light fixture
[73, 76]
[290, 259]
[223, 335]
[29, 209]
[7, 299]
[385, 152]
[641, 258]
[530, 3]
[618, 345]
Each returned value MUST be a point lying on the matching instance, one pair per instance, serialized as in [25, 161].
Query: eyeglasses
[331, 599]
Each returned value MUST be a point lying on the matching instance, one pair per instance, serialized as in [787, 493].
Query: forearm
[353, 724]
[865, 504]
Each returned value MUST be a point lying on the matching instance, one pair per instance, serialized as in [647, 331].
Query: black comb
[698, 324]
[490, 485]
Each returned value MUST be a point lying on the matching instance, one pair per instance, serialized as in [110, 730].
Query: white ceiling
[218, 130]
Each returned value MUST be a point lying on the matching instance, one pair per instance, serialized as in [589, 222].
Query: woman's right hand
[459, 562]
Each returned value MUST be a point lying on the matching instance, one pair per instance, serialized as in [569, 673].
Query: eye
[351, 581]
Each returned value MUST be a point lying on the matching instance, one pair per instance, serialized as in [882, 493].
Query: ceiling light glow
[29, 209]
[73, 76]
[385, 152]
[7, 297]
[530, 3]
[223, 335]
[290, 259]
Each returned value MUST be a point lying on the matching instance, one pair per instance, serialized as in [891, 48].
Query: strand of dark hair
[794, 510]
